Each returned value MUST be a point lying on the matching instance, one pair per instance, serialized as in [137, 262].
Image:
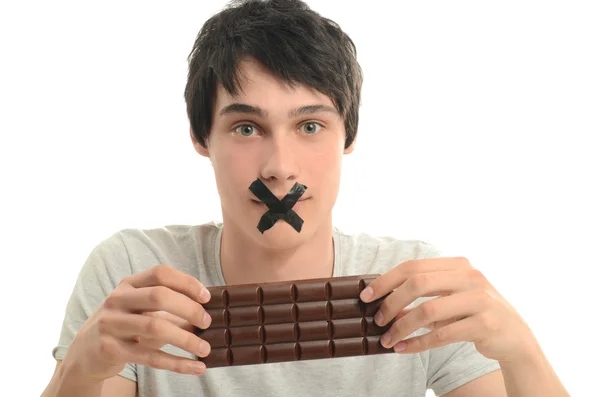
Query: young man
[272, 97]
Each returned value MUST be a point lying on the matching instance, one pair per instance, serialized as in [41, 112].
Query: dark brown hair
[295, 43]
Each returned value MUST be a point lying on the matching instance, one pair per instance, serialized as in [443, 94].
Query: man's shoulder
[167, 232]
[374, 240]
[363, 252]
[386, 244]
[167, 236]
[181, 246]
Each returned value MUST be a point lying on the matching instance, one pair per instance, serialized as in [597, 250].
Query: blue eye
[311, 128]
[245, 129]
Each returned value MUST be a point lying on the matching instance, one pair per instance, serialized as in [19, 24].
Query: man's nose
[280, 162]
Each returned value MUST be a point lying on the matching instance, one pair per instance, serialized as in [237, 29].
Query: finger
[140, 354]
[178, 321]
[397, 276]
[439, 324]
[158, 344]
[431, 326]
[462, 304]
[159, 298]
[402, 313]
[155, 328]
[422, 285]
[465, 330]
[176, 280]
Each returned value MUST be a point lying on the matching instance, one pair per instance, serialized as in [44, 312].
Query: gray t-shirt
[195, 250]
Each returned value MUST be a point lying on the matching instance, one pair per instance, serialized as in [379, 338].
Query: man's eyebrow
[242, 108]
[311, 109]
[255, 110]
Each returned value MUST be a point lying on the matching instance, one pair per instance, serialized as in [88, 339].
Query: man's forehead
[297, 96]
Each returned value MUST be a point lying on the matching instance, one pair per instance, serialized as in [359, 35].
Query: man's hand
[467, 308]
[142, 314]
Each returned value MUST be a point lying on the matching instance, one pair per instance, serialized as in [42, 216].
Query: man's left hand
[466, 308]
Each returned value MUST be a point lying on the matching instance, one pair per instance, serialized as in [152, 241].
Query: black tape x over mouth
[278, 209]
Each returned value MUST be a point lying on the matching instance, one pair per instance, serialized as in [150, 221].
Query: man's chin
[281, 236]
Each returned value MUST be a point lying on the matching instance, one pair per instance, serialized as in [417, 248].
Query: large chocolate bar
[292, 320]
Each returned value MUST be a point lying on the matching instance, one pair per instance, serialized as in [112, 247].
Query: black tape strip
[278, 209]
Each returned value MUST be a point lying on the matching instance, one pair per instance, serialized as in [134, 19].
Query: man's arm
[532, 376]
[65, 383]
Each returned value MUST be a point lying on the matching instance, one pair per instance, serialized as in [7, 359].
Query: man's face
[281, 135]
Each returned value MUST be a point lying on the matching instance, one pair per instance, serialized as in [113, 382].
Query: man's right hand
[142, 314]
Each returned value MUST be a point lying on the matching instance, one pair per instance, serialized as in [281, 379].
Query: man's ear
[201, 150]
[350, 148]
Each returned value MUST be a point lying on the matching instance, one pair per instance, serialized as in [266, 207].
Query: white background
[478, 133]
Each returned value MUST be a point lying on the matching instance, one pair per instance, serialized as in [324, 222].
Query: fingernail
[400, 347]
[379, 318]
[204, 349]
[385, 339]
[206, 319]
[204, 295]
[366, 293]
[198, 368]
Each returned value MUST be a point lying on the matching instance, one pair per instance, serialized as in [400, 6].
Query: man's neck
[242, 261]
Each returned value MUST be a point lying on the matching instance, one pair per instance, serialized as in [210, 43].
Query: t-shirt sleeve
[105, 267]
[454, 365]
